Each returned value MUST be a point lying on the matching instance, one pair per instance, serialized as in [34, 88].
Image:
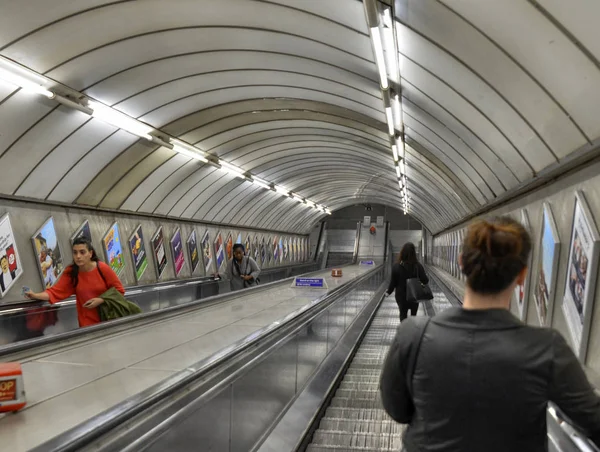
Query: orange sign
[8, 390]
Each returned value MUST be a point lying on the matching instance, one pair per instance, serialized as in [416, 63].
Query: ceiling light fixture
[188, 150]
[261, 183]
[390, 120]
[15, 74]
[379, 57]
[232, 169]
[395, 152]
[120, 120]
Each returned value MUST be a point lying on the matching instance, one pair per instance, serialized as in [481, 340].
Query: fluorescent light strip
[398, 172]
[395, 152]
[120, 120]
[282, 190]
[379, 57]
[397, 114]
[261, 182]
[390, 52]
[24, 78]
[297, 197]
[188, 150]
[402, 167]
[231, 169]
[390, 120]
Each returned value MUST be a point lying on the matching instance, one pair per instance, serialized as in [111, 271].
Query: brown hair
[494, 253]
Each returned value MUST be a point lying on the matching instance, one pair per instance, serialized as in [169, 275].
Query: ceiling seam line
[464, 158]
[200, 74]
[450, 159]
[467, 128]
[475, 107]
[40, 161]
[87, 153]
[520, 66]
[149, 112]
[196, 143]
[241, 50]
[204, 27]
[297, 111]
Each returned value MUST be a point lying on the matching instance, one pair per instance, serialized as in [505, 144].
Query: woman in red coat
[87, 278]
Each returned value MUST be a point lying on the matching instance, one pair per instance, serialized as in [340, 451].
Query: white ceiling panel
[546, 53]
[141, 198]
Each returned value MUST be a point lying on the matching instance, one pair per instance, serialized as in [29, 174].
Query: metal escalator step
[366, 393]
[356, 403]
[349, 413]
[327, 448]
[360, 426]
[379, 441]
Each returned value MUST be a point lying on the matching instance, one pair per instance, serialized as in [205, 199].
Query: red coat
[90, 285]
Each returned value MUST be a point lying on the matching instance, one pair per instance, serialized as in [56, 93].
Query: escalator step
[380, 441]
[360, 426]
[349, 413]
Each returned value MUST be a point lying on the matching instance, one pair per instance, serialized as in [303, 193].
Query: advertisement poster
[521, 292]
[263, 251]
[82, 231]
[286, 249]
[583, 266]
[295, 249]
[192, 245]
[248, 245]
[177, 250]
[47, 253]
[547, 267]
[138, 252]
[158, 246]
[207, 253]
[275, 250]
[113, 249]
[239, 238]
[229, 247]
[256, 249]
[10, 262]
[219, 251]
[280, 247]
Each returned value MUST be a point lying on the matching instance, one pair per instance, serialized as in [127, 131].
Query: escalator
[355, 419]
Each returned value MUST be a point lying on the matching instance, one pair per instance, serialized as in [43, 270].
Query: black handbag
[417, 291]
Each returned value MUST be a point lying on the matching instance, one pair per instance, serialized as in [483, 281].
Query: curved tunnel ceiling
[288, 90]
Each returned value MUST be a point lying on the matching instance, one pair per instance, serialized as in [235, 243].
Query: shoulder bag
[417, 291]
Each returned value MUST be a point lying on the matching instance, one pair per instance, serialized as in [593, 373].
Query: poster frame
[207, 261]
[547, 212]
[188, 242]
[158, 232]
[524, 308]
[228, 246]
[81, 227]
[138, 228]
[590, 291]
[116, 226]
[3, 218]
[219, 238]
[172, 245]
[35, 252]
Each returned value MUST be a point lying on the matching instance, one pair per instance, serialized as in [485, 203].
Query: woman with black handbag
[409, 280]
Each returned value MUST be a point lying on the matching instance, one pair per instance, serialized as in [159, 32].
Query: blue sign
[367, 262]
[310, 282]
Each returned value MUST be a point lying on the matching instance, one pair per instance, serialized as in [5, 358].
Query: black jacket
[482, 382]
[400, 274]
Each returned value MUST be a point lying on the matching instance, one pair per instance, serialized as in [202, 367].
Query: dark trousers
[405, 306]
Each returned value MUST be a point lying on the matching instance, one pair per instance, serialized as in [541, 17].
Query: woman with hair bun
[475, 378]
